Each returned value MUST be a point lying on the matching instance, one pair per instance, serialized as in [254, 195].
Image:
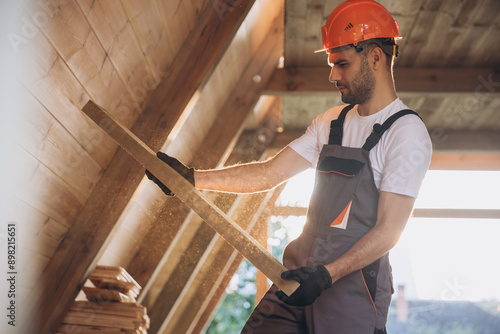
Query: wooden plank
[198, 202]
[105, 295]
[72, 328]
[77, 254]
[210, 265]
[182, 243]
[215, 147]
[297, 80]
[98, 320]
[124, 309]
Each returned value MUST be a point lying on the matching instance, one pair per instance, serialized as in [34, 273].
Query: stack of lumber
[110, 308]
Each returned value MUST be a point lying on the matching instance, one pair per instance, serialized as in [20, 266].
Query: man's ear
[377, 59]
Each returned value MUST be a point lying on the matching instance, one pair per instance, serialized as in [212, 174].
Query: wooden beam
[198, 202]
[448, 140]
[443, 140]
[213, 151]
[175, 273]
[286, 211]
[301, 80]
[466, 160]
[456, 213]
[78, 252]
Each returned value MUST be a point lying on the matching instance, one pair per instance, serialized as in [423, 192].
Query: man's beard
[361, 89]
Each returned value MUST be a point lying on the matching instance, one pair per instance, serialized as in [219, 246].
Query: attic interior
[212, 83]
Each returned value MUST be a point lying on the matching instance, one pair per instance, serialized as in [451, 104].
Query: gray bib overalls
[343, 208]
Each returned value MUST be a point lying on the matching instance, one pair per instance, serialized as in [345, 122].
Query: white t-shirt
[399, 160]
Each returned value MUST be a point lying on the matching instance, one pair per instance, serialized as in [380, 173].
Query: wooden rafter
[299, 80]
[213, 149]
[286, 211]
[234, 112]
[78, 252]
[462, 147]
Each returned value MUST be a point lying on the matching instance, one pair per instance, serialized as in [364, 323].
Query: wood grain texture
[62, 278]
[220, 222]
[217, 144]
[426, 80]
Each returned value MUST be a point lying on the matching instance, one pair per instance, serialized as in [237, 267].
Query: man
[371, 157]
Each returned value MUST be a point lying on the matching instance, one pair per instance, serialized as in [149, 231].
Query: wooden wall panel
[111, 25]
[174, 17]
[47, 141]
[47, 192]
[149, 30]
[54, 85]
[88, 235]
[72, 37]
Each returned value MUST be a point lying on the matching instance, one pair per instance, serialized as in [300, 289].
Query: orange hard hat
[354, 21]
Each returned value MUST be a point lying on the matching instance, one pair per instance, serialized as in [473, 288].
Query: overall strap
[337, 127]
[378, 130]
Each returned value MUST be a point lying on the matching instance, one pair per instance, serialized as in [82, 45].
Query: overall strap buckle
[378, 130]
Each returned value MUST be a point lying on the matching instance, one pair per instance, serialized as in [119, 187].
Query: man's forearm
[369, 248]
[253, 177]
[245, 178]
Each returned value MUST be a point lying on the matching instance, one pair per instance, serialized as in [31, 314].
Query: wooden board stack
[111, 306]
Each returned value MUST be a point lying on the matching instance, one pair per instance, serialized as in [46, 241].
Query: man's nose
[334, 76]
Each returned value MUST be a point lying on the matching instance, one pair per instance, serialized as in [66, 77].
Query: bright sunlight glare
[437, 258]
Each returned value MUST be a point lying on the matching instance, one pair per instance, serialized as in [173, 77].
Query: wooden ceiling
[211, 82]
[447, 70]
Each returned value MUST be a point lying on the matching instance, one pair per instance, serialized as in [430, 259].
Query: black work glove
[179, 167]
[312, 282]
